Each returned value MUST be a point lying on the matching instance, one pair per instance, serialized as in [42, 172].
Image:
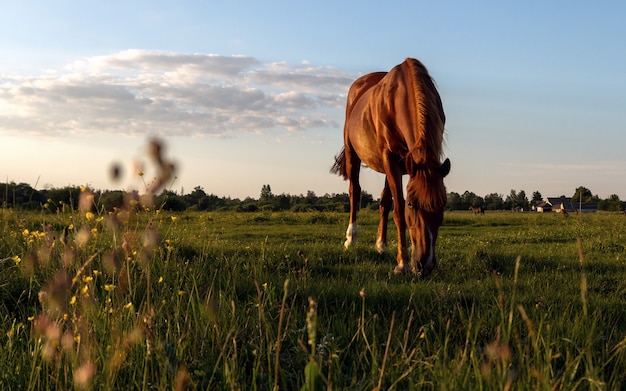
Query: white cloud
[145, 92]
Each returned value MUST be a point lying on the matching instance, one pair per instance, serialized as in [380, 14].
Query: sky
[248, 93]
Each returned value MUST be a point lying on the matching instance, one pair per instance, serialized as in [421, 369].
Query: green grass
[151, 300]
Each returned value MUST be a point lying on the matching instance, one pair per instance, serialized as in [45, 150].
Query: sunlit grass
[144, 299]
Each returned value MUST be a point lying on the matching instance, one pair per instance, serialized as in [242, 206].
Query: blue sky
[251, 93]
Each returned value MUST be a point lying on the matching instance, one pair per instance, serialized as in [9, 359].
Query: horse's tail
[339, 167]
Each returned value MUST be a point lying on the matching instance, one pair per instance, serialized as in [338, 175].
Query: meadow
[147, 299]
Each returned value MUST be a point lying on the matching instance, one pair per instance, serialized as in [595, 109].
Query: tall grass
[143, 299]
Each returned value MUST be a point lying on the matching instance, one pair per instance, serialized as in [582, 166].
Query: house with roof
[560, 204]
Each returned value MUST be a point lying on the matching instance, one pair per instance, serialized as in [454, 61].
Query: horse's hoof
[402, 269]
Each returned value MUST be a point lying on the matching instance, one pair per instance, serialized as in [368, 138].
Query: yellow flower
[73, 300]
[70, 227]
[87, 279]
[25, 232]
[109, 287]
[128, 306]
[83, 189]
[17, 259]
[160, 280]
[96, 272]
[94, 231]
[89, 216]
[174, 218]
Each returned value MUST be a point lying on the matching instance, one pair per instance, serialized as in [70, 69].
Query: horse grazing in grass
[395, 125]
[478, 210]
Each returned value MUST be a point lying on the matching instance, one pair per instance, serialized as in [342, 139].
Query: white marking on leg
[351, 233]
[380, 245]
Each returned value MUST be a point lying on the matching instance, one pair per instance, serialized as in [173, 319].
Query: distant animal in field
[395, 125]
[477, 210]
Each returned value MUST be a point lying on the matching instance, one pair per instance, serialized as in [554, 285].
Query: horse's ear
[444, 169]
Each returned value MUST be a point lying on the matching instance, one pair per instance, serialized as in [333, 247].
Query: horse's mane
[425, 155]
[431, 119]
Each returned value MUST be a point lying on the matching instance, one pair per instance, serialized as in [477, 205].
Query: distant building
[560, 204]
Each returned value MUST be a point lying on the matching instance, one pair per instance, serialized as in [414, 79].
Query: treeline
[23, 196]
[518, 200]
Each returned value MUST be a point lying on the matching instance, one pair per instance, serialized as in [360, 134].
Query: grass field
[149, 300]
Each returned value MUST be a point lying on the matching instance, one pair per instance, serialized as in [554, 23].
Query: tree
[613, 204]
[454, 201]
[582, 194]
[516, 200]
[471, 199]
[493, 201]
[21, 195]
[197, 197]
[537, 197]
[266, 193]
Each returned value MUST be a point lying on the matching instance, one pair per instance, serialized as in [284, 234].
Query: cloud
[138, 92]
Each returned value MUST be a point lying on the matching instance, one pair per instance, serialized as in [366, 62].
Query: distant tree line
[23, 196]
[518, 200]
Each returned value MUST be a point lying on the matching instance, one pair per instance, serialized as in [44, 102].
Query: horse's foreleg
[395, 185]
[383, 209]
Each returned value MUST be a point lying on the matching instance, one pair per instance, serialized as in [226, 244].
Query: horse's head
[425, 202]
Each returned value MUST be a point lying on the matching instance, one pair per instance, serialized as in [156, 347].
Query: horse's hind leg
[353, 167]
[383, 209]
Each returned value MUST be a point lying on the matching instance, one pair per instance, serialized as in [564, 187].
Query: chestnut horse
[395, 125]
[477, 210]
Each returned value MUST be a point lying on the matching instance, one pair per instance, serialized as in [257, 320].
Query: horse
[395, 126]
[477, 210]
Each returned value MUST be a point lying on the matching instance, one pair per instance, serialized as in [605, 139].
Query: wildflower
[128, 306]
[73, 300]
[94, 231]
[17, 259]
[109, 287]
[174, 218]
[160, 280]
[90, 216]
[87, 279]
[97, 272]
[25, 232]
[83, 376]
